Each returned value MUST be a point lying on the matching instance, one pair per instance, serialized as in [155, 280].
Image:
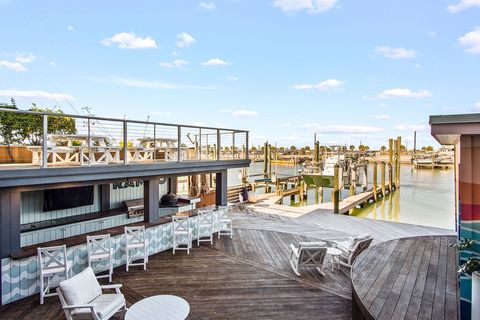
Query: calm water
[426, 197]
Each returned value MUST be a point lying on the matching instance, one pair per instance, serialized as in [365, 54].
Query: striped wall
[20, 278]
[469, 208]
[32, 208]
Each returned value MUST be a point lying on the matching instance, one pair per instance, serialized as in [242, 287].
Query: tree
[429, 148]
[352, 147]
[403, 148]
[9, 127]
[424, 148]
[383, 148]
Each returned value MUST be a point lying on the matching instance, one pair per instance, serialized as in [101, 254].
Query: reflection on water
[426, 197]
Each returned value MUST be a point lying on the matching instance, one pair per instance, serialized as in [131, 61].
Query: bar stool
[136, 247]
[205, 226]
[225, 227]
[53, 263]
[99, 251]
[182, 233]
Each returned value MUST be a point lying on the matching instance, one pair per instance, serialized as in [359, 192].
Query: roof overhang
[447, 129]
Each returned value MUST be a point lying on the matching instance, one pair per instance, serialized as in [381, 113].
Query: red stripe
[469, 212]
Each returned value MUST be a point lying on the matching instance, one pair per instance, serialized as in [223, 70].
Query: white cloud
[432, 33]
[233, 78]
[53, 64]
[342, 129]
[35, 94]
[404, 93]
[207, 6]
[324, 85]
[411, 127]
[395, 53]
[477, 107]
[245, 113]
[185, 40]
[382, 116]
[15, 66]
[148, 84]
[129, 40]
[462, 5]
[177, 63]
[161, 113]
[215, 62]
[471, 40]
[70, 28]
[311, 6]
[25, 58]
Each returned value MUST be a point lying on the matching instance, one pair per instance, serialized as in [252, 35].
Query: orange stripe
[469, 193]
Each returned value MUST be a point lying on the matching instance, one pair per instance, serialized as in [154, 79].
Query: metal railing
[57, 139]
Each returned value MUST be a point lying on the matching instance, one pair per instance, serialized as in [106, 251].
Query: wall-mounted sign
[127, 184]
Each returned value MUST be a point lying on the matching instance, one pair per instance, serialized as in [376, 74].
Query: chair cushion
[104, 306]
[311, 244]
[81, 288]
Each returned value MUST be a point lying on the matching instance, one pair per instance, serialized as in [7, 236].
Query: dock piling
[382, 181]
[390, 178]
[399, 150]
[336, 189]
[375, 181]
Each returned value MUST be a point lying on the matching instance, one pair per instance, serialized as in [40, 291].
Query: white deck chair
[100, 252]
[81, 297]
[182, 234]
[225, 227]
[308, 254]
[136, 247]
[205, 227]
[352, 247]
[53, 265]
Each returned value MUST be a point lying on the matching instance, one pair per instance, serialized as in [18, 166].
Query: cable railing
[35, 139]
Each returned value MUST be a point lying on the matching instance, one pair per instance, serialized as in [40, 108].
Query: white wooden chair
[225, 224]
[308, 254]
[136, 247]
[54, 265]
[205, 227]
[81, 297]
[182, 233]
[100, 252]
[352, 247]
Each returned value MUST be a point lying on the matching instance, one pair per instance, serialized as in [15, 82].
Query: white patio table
[162, 307]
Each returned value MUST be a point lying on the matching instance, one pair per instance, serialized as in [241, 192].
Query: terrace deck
[248, 276]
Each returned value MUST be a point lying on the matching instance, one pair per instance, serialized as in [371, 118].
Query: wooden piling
[399, 160]
[265, 159]
[336, 189]
[390, 150]
[320, 191]
[390, 178]
[382, 181]
[270, 161]
[375, 181]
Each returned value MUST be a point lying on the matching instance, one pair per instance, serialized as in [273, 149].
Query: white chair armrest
[79, 306]
[111, 286]
[293, 250]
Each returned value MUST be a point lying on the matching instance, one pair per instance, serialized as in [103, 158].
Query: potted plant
[472, 267]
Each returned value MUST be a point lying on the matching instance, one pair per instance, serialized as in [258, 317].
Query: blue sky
[350, 70]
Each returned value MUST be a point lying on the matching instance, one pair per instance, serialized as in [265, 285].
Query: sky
[351, 71]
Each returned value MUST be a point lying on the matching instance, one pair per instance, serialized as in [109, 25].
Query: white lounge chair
[205, 227]
[308, 254]
[81, 297]
[53, 263]
[352, 247]
[136, 247]
[182, 233]
[100, 252]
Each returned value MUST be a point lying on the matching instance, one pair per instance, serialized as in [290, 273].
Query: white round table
[163, 307]
[334, 253]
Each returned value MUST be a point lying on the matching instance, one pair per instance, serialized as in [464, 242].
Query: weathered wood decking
[248, 276]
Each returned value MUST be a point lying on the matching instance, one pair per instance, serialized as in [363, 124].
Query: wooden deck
[412, 278]
[248, 276]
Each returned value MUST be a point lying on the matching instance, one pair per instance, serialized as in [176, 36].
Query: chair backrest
[135, 235]
[205, 217]
[224, 212]
[179, 223]
[99, 244]
[360, 247]
[80, 289]
[51, 258]
[311, 255]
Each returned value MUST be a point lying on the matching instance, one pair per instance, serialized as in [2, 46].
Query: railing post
[155, 143]
[45, 141]
[125, 142]
[200, 144]
[247, 150]
[89, 142]
[233, 145]
[179, 144]
[218, 144]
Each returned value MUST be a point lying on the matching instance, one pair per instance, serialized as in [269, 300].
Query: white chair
[205, 227]
[308, 254]
[182, 234]
[81, 297]
[352, 247]
[53, 265]
[136, 247]
[100, 252]
[225, 225]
